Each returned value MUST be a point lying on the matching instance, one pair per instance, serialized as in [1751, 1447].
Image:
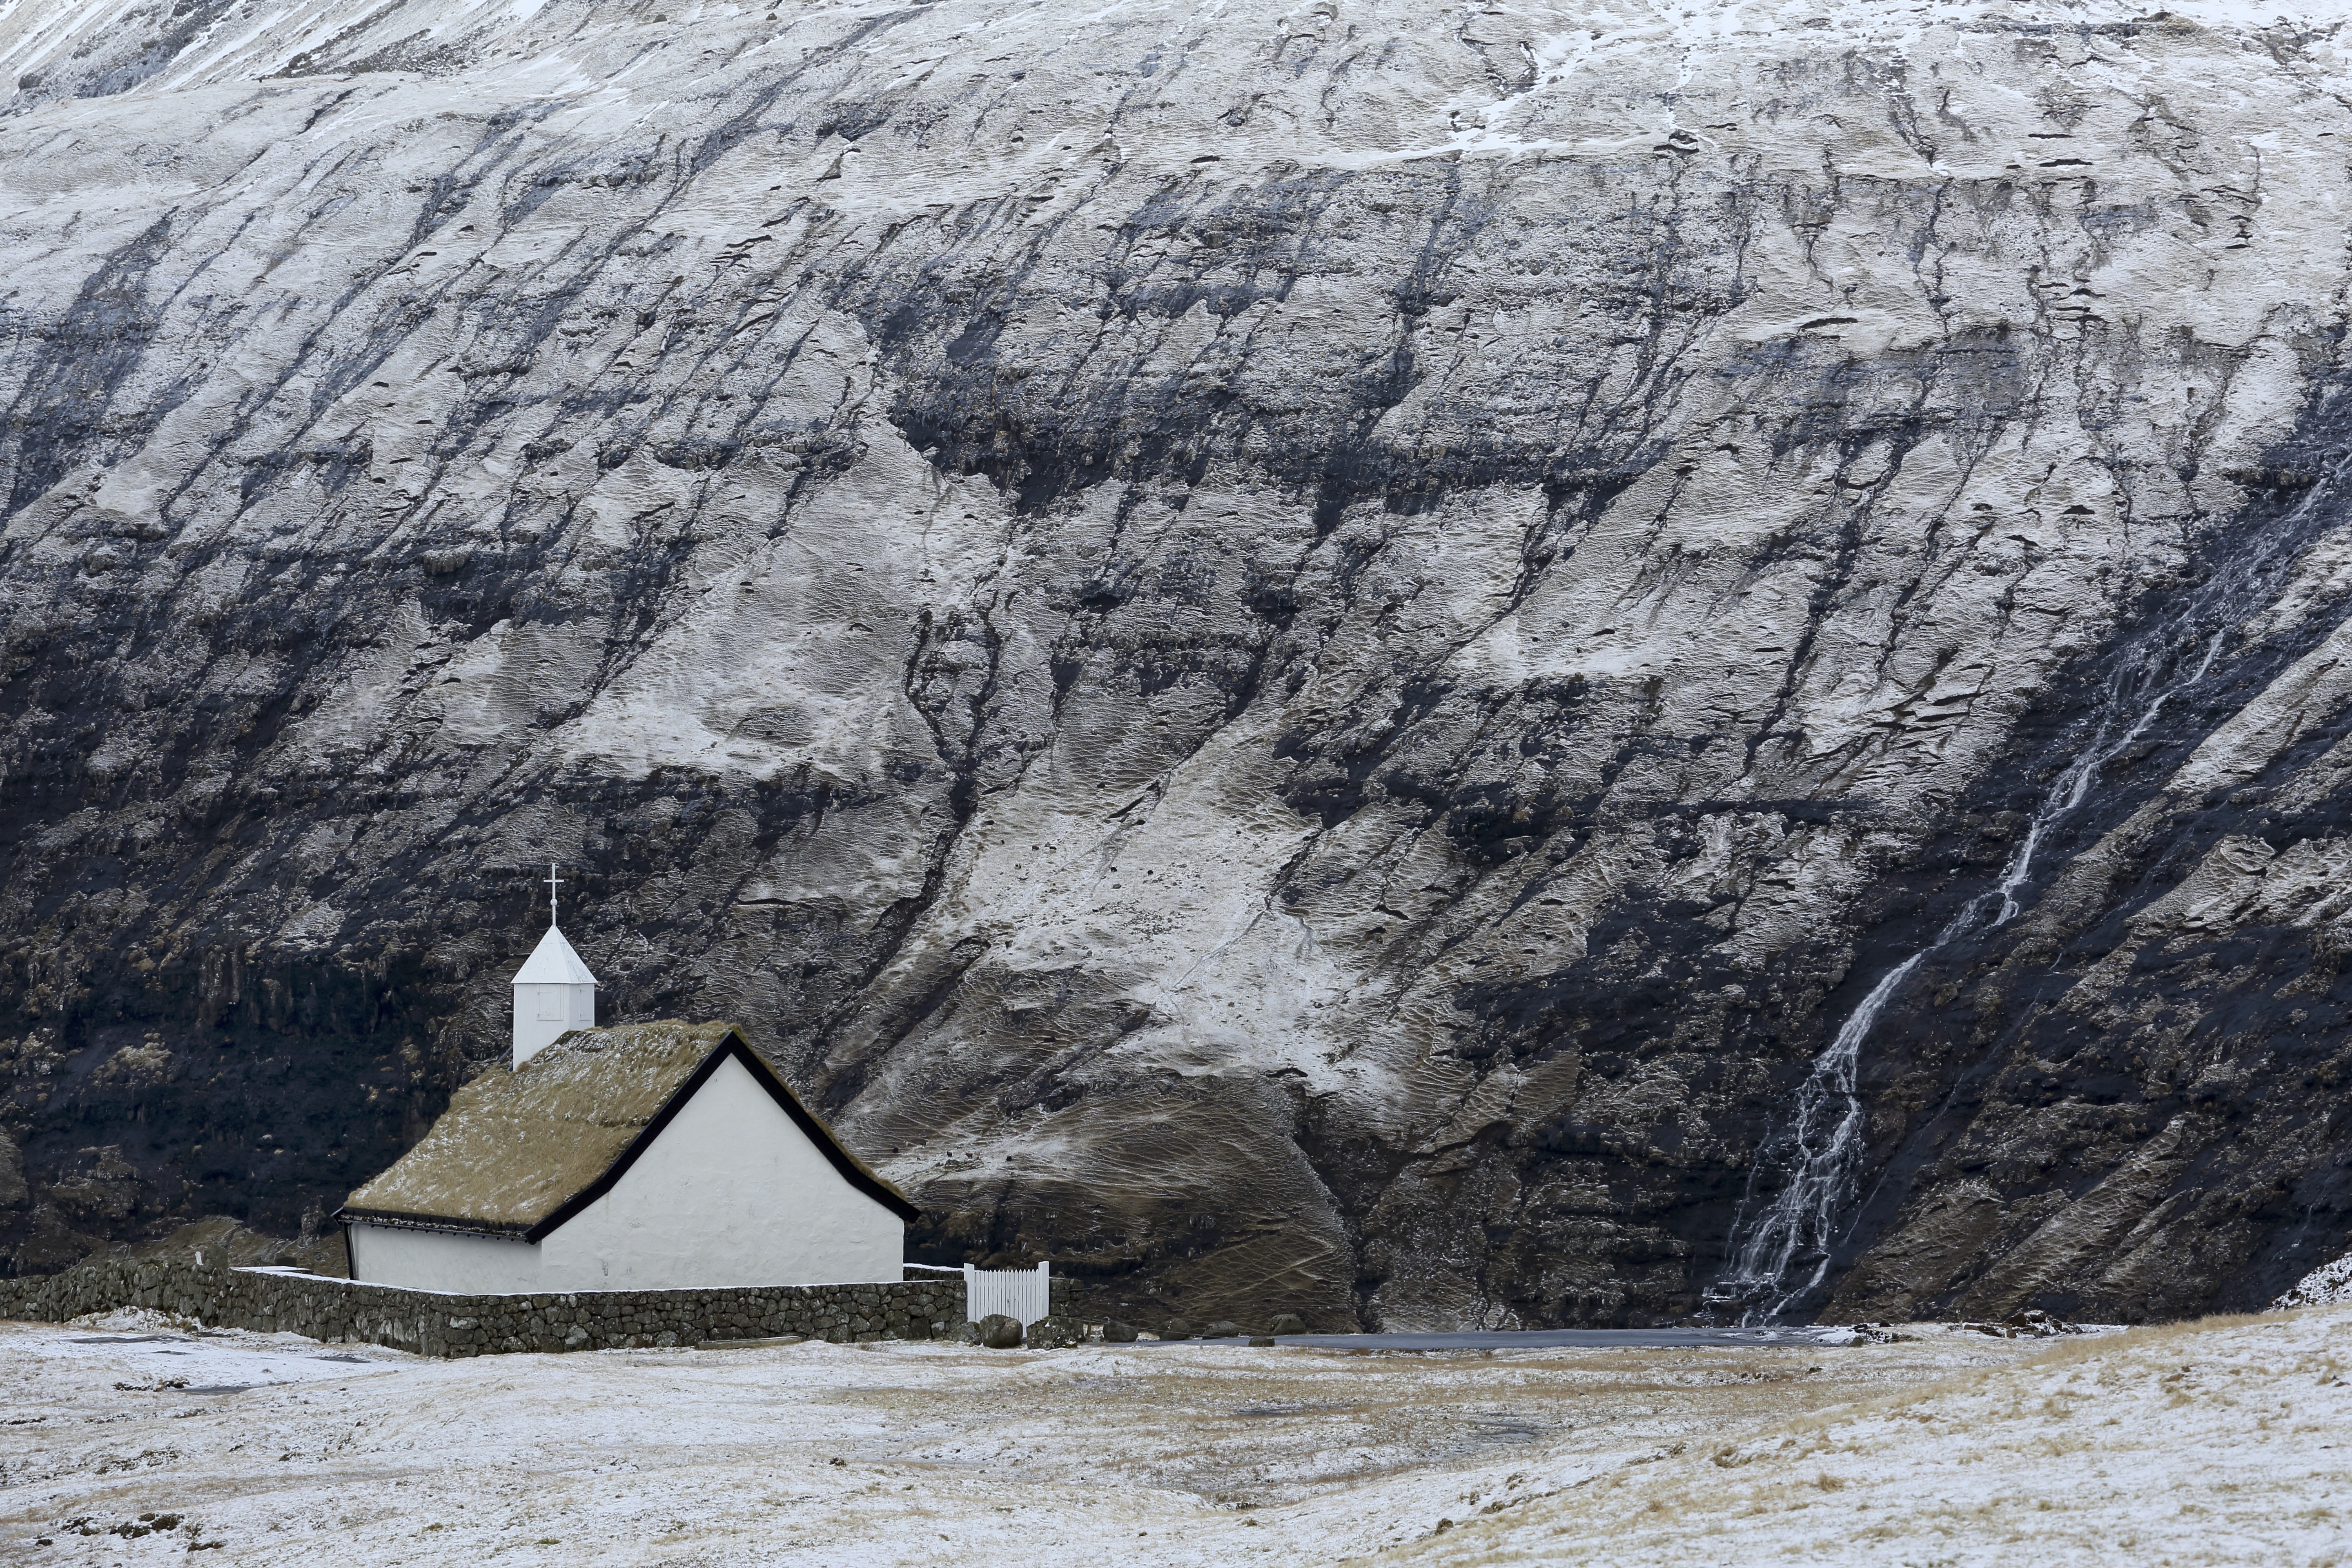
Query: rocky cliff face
[1304, 655]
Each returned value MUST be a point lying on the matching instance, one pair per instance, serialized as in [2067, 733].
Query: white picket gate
[1025, 1295]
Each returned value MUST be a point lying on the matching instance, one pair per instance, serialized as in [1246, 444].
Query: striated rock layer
[1299, 655]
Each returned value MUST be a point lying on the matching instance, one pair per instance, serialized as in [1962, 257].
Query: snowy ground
[2217, 1444]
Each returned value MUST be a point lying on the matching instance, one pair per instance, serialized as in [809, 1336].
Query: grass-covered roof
[519, 1150]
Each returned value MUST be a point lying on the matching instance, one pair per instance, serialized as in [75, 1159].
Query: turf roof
[519, 1150]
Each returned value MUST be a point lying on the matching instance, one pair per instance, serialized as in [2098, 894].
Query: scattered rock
[2033, 1323]
[1874, 1335]
[2323, 1286]
[1262, 1341]
[999, 1333]
[1054, 1333]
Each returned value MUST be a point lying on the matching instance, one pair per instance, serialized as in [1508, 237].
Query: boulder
[1175, 1328]
[999, 1333]
[1221, 1330]
[1287, 1323]
[1118, 1334]
[1055, 1332]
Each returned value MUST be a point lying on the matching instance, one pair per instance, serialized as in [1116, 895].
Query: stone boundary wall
[429, 1324]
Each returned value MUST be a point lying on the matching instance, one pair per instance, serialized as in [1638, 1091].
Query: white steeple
[554, 990]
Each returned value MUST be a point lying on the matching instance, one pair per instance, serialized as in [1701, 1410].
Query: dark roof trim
[853, 1170]
[392, 1219]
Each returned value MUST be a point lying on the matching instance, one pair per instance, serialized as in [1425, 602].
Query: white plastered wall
[732, 1192]
[435, 1260]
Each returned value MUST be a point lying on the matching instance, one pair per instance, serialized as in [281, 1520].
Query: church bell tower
[554, 990]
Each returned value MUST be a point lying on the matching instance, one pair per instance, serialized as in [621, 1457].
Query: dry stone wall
[432, 1324]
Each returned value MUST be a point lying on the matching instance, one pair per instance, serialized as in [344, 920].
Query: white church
[640, 1157]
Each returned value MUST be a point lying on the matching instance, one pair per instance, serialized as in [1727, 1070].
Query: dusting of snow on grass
[2219, 1442]
[2206, 1444]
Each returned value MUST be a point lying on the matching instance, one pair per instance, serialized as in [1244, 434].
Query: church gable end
[860, 1177]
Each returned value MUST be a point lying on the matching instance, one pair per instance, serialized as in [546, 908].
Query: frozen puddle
[210, 1361]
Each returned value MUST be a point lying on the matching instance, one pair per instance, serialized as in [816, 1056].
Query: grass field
[2221, 1442]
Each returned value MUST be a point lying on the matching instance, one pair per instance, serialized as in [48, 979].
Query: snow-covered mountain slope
[1303, 655]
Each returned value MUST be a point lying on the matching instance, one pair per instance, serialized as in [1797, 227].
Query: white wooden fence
[1024, 1295]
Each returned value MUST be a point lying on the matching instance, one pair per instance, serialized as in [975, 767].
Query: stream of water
[1782, 1255]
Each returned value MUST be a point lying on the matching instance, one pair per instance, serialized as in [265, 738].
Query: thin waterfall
[1827, 1131]
[1785, 1253]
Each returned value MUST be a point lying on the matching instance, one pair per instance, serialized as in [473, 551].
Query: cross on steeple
[553, 882]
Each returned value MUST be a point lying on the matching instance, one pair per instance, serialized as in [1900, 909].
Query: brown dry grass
[2067, 1447]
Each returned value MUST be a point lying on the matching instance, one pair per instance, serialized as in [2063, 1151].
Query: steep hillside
[1304, 656]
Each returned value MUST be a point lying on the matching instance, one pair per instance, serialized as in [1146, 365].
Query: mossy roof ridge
[518, 1144]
